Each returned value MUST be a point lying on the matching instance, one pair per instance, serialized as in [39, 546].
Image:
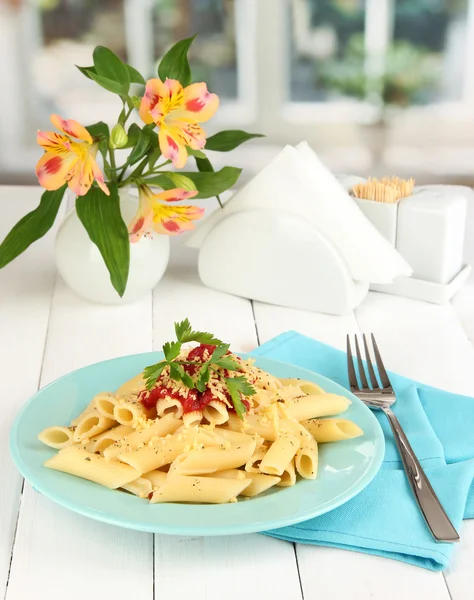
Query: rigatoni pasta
[233, 431]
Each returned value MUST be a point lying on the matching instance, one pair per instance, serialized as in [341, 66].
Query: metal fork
[382, 397]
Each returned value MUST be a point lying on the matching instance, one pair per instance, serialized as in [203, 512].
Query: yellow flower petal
[72, 128]
[176, 195]
[81, 176]
[99, 177]
[154, 91]
[52, 170]
[172, 146]
[53, 142]
[199, 105]
[142, 222]
[173, 220]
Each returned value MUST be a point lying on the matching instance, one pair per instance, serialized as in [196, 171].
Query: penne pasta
[307, 387]
[106, 439]
[259, 483]
[253, 464]
[156, 455]
[141, 487]
[321, 405]
[91, 425]
[216, 412]
[140, 437]
[192, 419]
[254, 424]
[172, 406]
[306, 458]
[89, 408]
[280, 454]
[213, 490]
[105, 403]
[75, 461]
[288, 477]
[332, 430]
[156, 478]
[211, 459]
[57, 437]
[129, 412]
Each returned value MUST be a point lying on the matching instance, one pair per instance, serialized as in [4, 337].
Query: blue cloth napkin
[384, 518]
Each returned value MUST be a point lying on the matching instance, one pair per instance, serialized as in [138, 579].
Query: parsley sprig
[237, 386]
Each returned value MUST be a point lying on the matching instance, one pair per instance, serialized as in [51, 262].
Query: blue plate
[345, 468]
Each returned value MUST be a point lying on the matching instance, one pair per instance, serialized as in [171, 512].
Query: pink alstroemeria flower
[153, 215]
[68, 160]
[177, 111]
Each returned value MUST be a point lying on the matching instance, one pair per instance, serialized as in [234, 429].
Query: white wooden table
[49, 553]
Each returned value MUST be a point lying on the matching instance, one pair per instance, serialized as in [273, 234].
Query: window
[359, 79]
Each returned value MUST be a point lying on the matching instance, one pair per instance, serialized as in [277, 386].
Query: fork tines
[373, 383]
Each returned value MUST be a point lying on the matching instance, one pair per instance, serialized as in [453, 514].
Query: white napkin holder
[294, 237]
[279, 258]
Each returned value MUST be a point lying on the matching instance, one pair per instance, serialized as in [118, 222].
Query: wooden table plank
[251, 560]
[26, 288]
[67, 555]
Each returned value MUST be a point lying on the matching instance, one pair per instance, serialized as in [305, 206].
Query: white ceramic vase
[81, 265]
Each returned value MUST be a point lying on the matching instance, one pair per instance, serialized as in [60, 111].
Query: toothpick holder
[428, 229]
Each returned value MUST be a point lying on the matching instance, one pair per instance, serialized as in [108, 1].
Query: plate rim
[217, 530]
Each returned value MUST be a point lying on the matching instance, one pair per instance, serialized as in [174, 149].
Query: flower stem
[113, 166]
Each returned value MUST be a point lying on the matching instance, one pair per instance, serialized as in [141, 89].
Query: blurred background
[375, 86]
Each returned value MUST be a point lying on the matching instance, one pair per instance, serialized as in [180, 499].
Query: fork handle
[436, 518]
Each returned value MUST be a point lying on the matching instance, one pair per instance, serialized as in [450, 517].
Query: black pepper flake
[88, 459]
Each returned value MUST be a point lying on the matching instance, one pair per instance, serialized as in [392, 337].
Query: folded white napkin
[296, 181]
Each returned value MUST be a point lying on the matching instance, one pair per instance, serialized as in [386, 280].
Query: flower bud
[118, 137]
[136, 101]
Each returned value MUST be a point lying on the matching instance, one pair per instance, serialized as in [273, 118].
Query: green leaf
[133, 133]
[195, 153]
[186, 379]
[171, 350]
[108, 84]
[135, 76]
[237, 386]
[242, 384]
[214, 183]
[184, 333]
[229, 139]
[161, 181]
[108, 65]
[201, 337]
[176, 371]
[219, 352]
[229, 363]
[204, 165]
[182, 328]
[152, 373]
[175, 64]
[100, 214]
[141, 147]
[154, 156]
[181, 181]
[87, 71]
[203, 378]
[100, 133]
[32, 226]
